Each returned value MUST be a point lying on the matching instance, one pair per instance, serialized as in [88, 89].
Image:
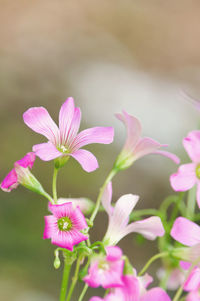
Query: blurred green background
[108, 55]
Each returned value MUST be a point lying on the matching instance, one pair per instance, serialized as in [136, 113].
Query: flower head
[65, 225]
[119, 216]
[106, 270]
[20, 174]
[64, 141]
[136, 147]
[189, 174]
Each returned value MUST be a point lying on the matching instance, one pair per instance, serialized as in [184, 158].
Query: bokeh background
[109, 55]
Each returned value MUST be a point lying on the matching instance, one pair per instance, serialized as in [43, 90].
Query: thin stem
[46, 195]
[191, 202]
[151, 260]
[83, 292]
[74, 279]
[98, 202]
[54, 189]
[64, 285]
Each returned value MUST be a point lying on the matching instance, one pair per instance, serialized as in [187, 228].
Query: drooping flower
[106, 270]
[20, 174]
[86, 205]
[119, 215]
[65, 225]
[135, 146]
[64, 141]
[189, 174]
[135, 289]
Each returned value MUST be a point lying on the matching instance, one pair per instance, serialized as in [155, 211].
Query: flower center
[63, 149]
[198, 171]
[103, 265]
[64, 224]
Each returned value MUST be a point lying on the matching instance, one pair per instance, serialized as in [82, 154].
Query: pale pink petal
[117, 295]
[66, 116]
[113, 277]
[63, 210]
[186, 231]
[92, 279]
[169, 155]
[146, 146]
[96, 299]
[87, 160]
[192, 145]
[46, 151]
[39, 120]
[185, 265]
[78, 220]
[27, 161]
[67, 239]
[10, 181]
[113, 253]
[146, 280]
[133, 128]
[51, 226]
[74, 127]
[185, 178]
[198, 193]
[193, 296]
[193, 281]
[131, 288]
[85, 204]
[150, 228]
[155, 294]
[93, 135]
[107, 198]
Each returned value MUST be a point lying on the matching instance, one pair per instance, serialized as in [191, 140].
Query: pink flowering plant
[174, 226]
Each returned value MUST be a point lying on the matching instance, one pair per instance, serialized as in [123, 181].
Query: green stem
[98, 202]
[83, 292]
[54, 189]
[151, 260]
[46, 195]
[191, 202]
[74, 279]
[65, 280]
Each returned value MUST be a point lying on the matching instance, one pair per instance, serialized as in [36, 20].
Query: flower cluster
[103, 263]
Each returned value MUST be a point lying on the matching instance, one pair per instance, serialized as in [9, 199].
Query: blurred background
[109, 55]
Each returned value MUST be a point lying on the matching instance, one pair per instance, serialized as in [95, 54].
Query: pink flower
[86, 205]
[119, 215]
[64, 141]
[20, 174]
[189, 174]
[65, 225]
[188, 233]
[106, 270]
[134, 289]
[136, 147]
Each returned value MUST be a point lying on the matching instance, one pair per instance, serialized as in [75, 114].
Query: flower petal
[193, 281]
[10, 181]
[93, 135]
[60, 211]
[113, 253]
[185, 178]
[87, 160]
[107, 198]
[65, 119]
[51, 226]
[67, 239]
[74, 127]
[27, 161]
[192, 145]
[155, 294]
[39, 120]
[169, 155]
[150, 227]
[198, 193]
[146, 146]
[186, 231]
[46, 151]
[193, 296]
[133, 128]
[78, 219]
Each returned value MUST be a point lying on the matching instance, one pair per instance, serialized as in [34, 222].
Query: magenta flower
[106, 270]
[64, 141]
[189, 174]
[65, 225]
[20, 174]
[119, 215]
[136, 147]
[134, 289]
